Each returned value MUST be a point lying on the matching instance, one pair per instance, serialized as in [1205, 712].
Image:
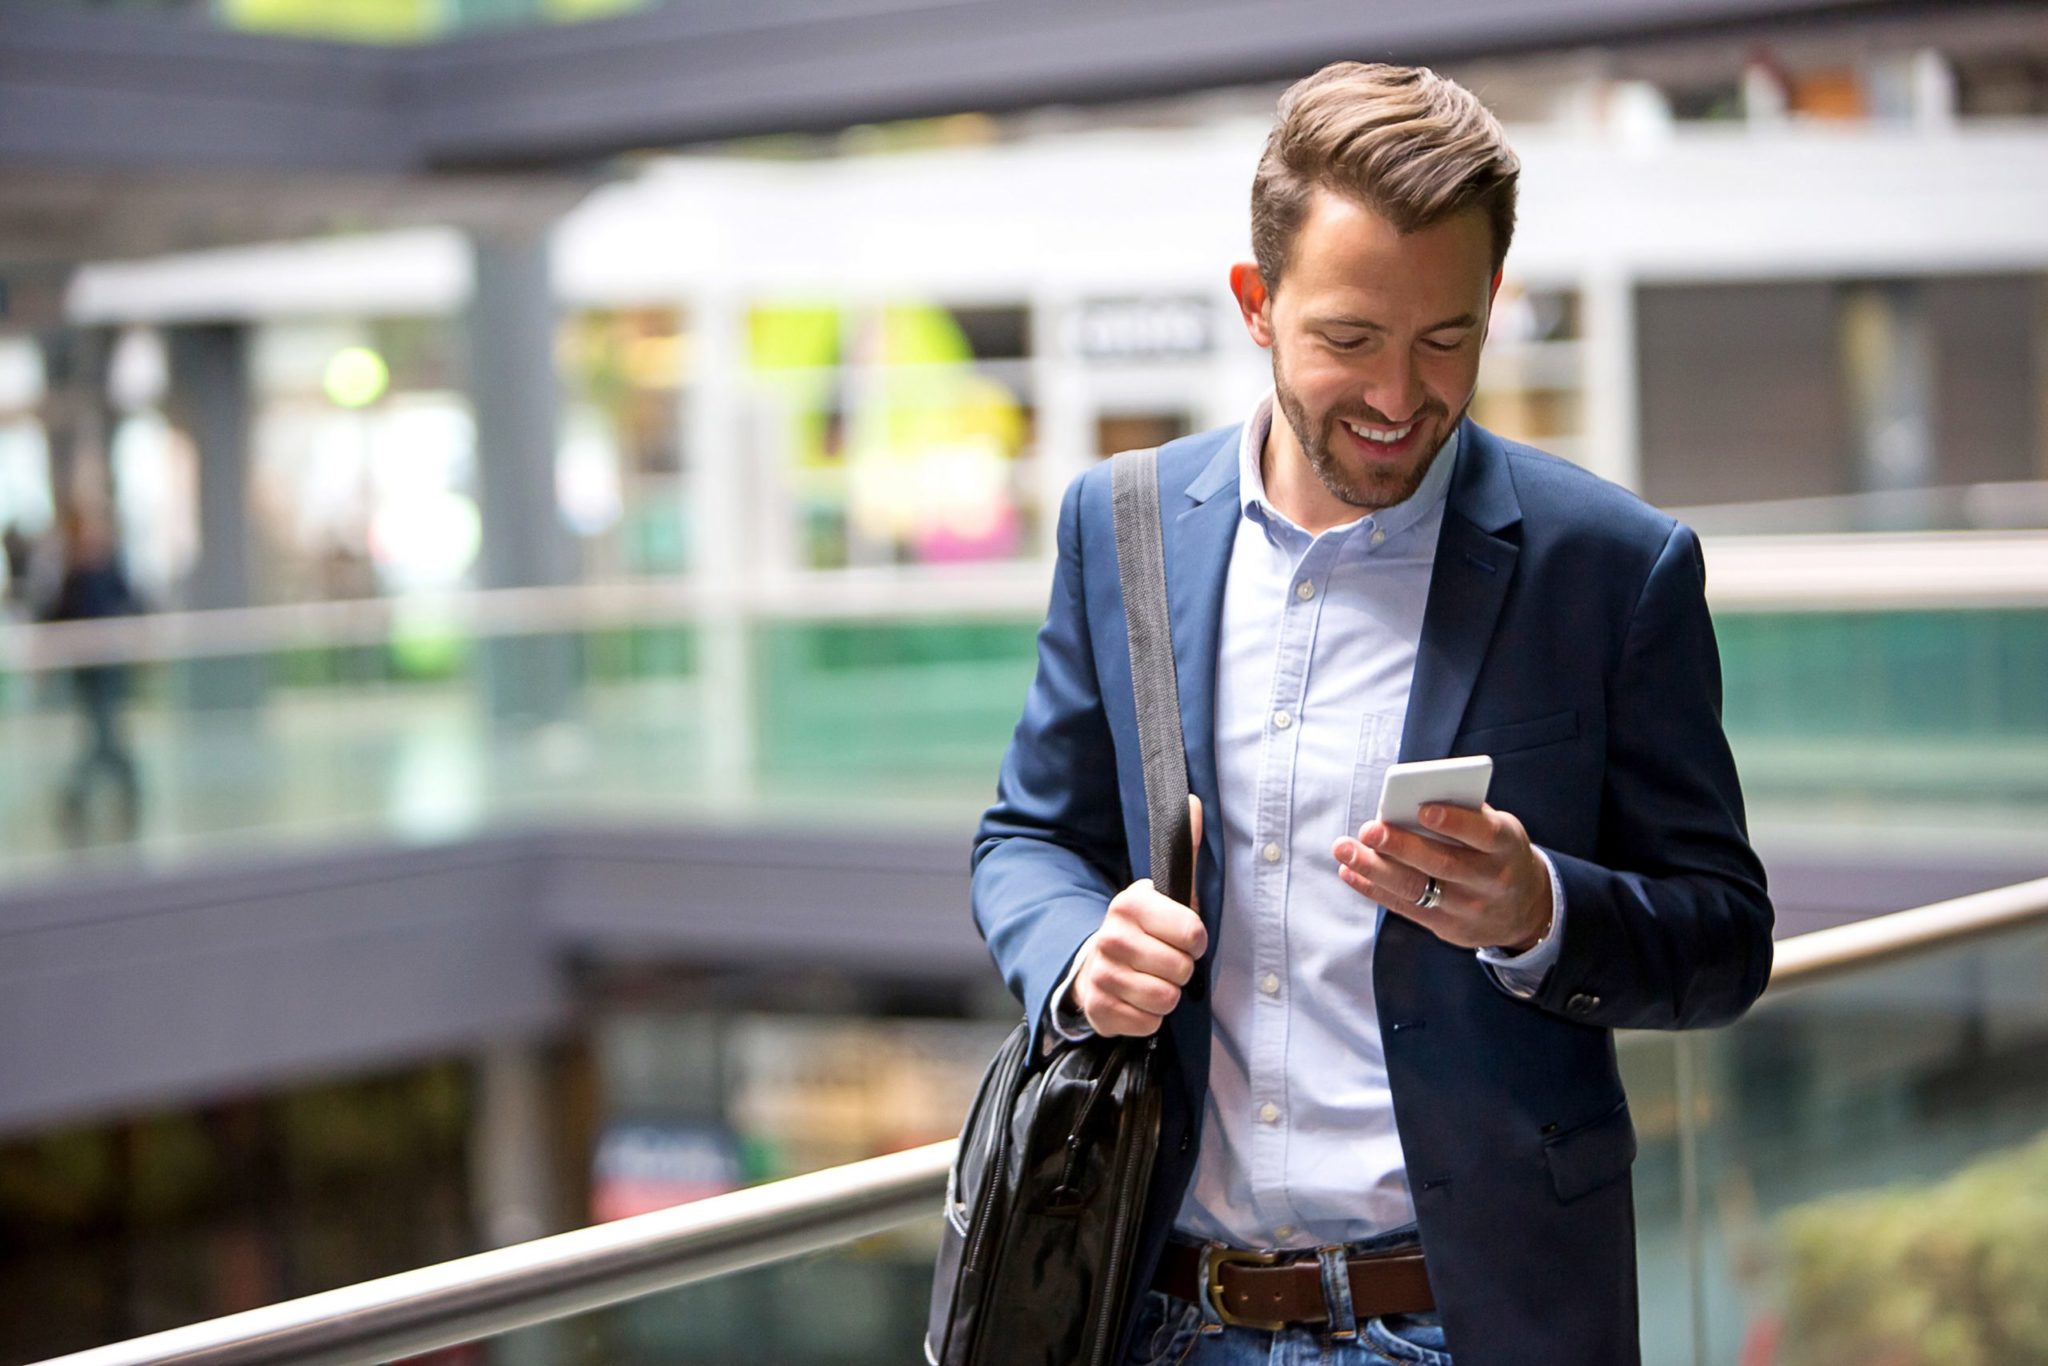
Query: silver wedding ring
[1432, 893]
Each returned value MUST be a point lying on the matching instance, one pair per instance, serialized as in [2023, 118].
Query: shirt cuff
[1522, 974]
[1062, 1015]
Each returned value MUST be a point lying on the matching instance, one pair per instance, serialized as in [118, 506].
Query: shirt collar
[1251, 485]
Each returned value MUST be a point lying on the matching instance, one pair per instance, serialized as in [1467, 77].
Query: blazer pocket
[1584, 1159]
[1543, 730]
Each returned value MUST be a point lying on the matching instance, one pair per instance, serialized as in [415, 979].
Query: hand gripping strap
[1141, 568]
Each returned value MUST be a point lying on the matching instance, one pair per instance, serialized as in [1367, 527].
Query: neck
[1292, 487]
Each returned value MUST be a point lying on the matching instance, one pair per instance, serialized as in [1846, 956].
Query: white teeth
[1383, 438]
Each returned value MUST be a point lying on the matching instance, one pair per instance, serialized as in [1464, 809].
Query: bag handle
[1141, 568]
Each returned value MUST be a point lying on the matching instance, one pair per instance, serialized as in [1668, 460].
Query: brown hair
[1410, 145]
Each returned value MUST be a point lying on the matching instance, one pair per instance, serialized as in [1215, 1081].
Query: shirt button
[1304, 590]
[1270, 983]
[1378, 536]
[1269, 1112]
[1272, 853]
[1284, 1232]
[1283, 719]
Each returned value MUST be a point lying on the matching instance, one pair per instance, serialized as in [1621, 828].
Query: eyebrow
[1368, 325]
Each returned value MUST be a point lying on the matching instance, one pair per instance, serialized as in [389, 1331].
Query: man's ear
[1493, 290]
[1254, 303]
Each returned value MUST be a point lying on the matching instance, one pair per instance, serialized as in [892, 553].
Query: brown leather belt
[1275, 1290]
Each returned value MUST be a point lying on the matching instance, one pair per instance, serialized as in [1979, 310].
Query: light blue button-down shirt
[1316, 655]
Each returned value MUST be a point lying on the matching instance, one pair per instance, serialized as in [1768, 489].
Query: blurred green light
[356, 377]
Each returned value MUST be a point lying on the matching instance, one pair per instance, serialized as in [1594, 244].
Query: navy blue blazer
[1567, 635]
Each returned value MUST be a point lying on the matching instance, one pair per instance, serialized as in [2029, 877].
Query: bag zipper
[997, 1163]
[1112, 1071]
[1112, 1301]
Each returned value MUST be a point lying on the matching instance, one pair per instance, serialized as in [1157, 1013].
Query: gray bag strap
[1141, 567]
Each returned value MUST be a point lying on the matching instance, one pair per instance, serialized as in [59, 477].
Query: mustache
[1374, 418]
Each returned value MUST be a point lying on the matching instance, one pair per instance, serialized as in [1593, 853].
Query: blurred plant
[1953, 1274]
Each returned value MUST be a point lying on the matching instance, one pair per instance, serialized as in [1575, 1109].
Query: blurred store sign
[645, 1166]
[1142, 329]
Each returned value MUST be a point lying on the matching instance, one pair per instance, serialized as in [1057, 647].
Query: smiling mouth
[1381, 436]
[1381, 443]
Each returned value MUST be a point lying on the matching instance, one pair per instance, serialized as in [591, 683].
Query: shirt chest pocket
[1379, 745]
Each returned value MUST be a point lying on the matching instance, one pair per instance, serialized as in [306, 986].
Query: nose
[1394, 389]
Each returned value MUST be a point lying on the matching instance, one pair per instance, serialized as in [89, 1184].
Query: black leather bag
[1044, 1206]
[1046, 1197]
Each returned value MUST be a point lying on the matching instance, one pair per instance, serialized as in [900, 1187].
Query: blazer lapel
[1468, 583]
[1198, 530]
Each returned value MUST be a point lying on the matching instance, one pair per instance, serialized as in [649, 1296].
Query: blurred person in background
[94, 586]
[20, 553]
[1394, 1126]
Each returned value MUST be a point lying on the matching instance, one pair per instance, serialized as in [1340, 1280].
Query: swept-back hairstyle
[1408, 144]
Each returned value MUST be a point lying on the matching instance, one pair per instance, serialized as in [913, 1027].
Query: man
[95, 586]
[1390, 1059]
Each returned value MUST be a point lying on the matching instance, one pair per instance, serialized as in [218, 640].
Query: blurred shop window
[812, 1092]
[1922, 87]
[1829, 95]
[125, 1227]
[890, 433]
[156, 494]
[402, 21]
[1147, 357]
[695, 1100]
[1135, 431]
[364, 459]
[2002, 87]
[620, 473]
[1706, 101]
[1532, 374]
[27, 507]
[371, 21]
[155, 468]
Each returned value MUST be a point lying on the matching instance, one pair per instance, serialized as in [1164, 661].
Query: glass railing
[1868, 681]
[1855, 1171]
[1858, 1169]
[296, 727]
[2009, 506]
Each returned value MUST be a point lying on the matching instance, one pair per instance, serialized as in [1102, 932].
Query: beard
[1371, 490]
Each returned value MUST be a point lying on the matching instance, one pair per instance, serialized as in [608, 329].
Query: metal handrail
[883, 593]
[1820, 954]
[572, 1273]
[549, 1278]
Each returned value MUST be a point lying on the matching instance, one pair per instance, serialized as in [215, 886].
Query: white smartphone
[1454, 782]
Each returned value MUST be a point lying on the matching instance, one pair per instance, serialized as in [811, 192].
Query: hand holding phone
[1454, 782]
[1484, 886]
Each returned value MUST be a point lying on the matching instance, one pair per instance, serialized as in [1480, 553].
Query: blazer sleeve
[1670, 924]
[1050, 852]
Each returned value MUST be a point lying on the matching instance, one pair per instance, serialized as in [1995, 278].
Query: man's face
[1376, 338]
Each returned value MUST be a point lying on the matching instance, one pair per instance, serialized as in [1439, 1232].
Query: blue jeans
[1169, 1332]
